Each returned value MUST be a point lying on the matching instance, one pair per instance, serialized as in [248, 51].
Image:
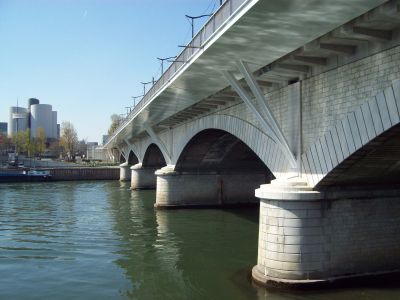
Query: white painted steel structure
[255, 31]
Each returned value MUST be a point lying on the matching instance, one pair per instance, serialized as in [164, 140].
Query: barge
[25, 176]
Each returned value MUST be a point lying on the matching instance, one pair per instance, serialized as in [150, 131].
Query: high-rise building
[18, 120]
[34, 117]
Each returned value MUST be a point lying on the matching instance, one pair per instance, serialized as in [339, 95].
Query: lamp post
[134, 99]
[195, 17]
[144, 85]
[162, 62]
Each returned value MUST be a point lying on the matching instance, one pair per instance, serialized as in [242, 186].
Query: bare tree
[68, 139]
[115, 121]
[41, 140]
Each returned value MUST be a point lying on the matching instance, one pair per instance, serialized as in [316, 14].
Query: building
[105, 138]
[18, 120]
[58, 131]
[34, 117]
[95, 152]
[3, 127]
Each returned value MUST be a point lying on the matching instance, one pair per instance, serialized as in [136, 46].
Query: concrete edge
[267, 281]
[204, 206]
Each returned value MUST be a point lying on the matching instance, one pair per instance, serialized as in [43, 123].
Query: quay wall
[61, 174]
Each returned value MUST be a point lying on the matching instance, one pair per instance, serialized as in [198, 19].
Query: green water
[99, 240]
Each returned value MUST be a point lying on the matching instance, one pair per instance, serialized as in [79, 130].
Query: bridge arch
[153, 157]
[375, 163]
[263, 146]
[215, 168]
[132, 158]
[215, 150]
[362, 148]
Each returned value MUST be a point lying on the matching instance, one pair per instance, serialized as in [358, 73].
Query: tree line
[22, 142]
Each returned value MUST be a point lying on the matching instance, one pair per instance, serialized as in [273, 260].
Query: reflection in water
[100, 240]
[190, 254]
[148, 256]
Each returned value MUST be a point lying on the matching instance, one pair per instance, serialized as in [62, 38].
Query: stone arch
[216, 150]
[132, 158]
[261, 144]
[214, 168]
[146, 143]
[153, 157]
[370, 132]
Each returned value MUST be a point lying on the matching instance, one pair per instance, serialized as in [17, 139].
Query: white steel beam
[159, 142]
[258, 93]
[269, 123]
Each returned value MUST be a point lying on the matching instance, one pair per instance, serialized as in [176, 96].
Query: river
[100, 240]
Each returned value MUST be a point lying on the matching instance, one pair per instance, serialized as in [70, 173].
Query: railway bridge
[292, 105]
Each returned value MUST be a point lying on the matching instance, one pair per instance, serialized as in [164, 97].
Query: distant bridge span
[291, 104]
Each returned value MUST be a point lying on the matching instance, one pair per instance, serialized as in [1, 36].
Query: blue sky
[87, 58]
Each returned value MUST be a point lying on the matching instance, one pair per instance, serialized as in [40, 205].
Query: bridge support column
[307, 236]
[142, 177]
[189, 189]
[124, 172]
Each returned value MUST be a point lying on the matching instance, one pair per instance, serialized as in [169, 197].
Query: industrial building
[34, 117]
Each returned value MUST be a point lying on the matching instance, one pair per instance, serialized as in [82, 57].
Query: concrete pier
[307, 236]
[188, 189]
[124, 174]
[142, 177]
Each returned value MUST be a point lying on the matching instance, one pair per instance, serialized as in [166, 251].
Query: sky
[87, 57]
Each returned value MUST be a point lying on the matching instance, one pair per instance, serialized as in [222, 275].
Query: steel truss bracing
[261, 110]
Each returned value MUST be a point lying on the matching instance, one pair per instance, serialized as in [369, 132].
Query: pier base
[142, 178]
[180, 190]
[124, 172]
[307, 236]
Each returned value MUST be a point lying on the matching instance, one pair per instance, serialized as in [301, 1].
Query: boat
[25, 176]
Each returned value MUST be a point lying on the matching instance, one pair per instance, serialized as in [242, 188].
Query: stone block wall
[85, 174]
[344, 234]
[143, 178]
[207, 189]
[329, 96]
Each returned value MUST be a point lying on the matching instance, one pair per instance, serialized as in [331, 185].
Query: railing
[226, 10]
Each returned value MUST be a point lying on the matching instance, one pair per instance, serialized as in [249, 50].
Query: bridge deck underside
[265, 32]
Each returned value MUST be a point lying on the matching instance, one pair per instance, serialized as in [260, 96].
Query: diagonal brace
[269, 122]
[159, 142]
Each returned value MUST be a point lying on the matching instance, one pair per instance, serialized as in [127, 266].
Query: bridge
[293, 106]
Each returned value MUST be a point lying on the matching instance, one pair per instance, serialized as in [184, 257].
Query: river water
[100, 240]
